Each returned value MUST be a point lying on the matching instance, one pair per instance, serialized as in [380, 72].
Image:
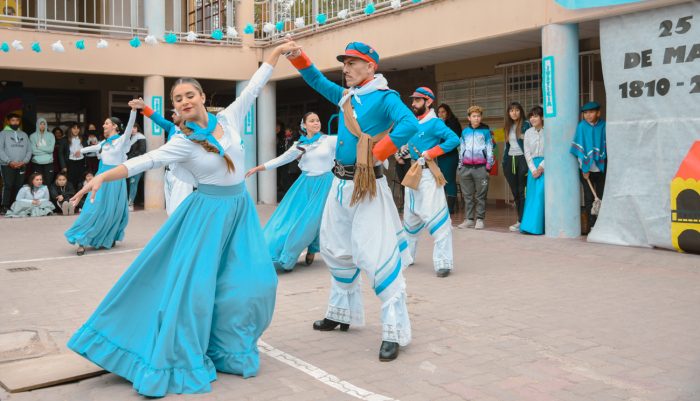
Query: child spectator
[476, 160]
[61, 191]
[589, 148]
[32, 199]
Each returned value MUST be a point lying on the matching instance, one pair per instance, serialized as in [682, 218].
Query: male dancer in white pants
[426, 205]
[360, 229]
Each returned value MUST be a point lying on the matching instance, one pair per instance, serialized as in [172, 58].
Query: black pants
[13, 179]
[76, 169]
[46, 171]
[402, 169]
[515, 169]
[598, 181]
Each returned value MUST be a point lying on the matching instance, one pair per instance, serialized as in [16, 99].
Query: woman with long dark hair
[295, 224]
[202, 291]
[514, 163]
[448, 162]
[102, 223]
[32, 199]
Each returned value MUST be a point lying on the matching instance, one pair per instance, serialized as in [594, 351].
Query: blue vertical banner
[548, 89]
[249, 122]
[157, 106]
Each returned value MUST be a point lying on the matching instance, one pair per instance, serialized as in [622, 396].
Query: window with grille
[205, 16]
[486, 92]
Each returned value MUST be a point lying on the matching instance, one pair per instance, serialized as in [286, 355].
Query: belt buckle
[339, 170]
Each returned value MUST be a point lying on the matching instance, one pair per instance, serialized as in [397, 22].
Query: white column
[249, 143]
[153, 95]
[560, 90]
[267, 119]
[153, 89]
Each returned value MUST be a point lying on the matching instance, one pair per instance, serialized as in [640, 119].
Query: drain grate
[22, 269]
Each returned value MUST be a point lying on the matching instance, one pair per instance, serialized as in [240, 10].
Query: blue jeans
[134, 187]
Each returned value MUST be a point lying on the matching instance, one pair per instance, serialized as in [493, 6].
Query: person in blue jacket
[360, 228]
[426, 205]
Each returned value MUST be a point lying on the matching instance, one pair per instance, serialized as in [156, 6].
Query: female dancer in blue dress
[295, 224]
[101, 223]
[200, 294]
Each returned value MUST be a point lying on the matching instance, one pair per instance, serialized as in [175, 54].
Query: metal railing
[274, 19]
[111, 18]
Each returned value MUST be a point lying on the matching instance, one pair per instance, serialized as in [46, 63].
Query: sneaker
[64, 208]
[131, 208]
[468, 223]
[515, 227]
[479, 224]
[443, 273]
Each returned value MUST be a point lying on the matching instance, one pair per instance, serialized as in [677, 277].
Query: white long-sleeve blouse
[534, 147]
[318, 159]
[206, 167]
[114, 153]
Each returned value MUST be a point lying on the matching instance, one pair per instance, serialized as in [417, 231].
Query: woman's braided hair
[187, 131]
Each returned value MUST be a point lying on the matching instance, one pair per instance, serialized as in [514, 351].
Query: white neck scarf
[429, 116]
[378, 83]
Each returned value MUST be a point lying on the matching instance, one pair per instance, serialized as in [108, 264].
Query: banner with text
[651, 68]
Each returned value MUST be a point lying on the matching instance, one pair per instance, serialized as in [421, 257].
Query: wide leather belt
[347, 171]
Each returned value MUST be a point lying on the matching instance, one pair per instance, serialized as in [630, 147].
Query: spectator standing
[43, 144]
[92, 161]
[449, 161]
[75, 160]
[515, 167]
[15, 153]
[138, 147]
[533, 214]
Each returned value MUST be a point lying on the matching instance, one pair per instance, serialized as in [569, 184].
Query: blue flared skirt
[195, 301]
[295, 224]
[533, 214]
[103, 222]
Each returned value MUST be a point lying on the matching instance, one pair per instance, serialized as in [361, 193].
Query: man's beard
[419, 111]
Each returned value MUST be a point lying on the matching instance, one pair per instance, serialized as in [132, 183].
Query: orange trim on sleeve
[301, 62]
[436, 152]
[147, 111]
[384, 148]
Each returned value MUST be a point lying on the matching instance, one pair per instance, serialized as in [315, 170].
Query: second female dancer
[295, 224]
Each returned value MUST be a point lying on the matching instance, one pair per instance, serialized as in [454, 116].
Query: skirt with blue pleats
[533, 214]
[103, 222]
[295, 224]
[195, 301]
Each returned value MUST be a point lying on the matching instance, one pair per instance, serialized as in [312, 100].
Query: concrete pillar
[245, 14]
[249, 143]
[560, 91]
[154, 196]
[153, 90]
[267, 119]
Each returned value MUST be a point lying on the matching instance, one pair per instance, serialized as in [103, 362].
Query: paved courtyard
[521, 318]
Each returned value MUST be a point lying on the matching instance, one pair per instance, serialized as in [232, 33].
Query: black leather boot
[388, 351]
[451, 200]
[329, 325]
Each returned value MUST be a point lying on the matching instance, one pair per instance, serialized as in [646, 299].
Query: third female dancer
[295, 224]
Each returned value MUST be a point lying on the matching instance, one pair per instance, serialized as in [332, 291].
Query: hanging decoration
[395, 4]
[170, 38]
[36, 47]
[299, 23]
[102, 44]
[268, 28]
[231, 32]
[249, 29]
[151, 40]
[5, 47]
[80, 45]
[342, 14]
[279, 26]
[321, 19]
[218, 34]
[57, 46]
[370, 9]
[135, 42]
[17, 45]
[191, 36]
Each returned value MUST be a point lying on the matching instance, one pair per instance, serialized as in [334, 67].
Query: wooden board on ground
[31, 374]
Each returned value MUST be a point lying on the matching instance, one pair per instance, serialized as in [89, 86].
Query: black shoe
[309, 258]
[443, 272]
[81, 251]
[388, 351]
[329, 325]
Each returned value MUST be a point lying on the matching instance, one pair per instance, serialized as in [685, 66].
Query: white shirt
[206, 167]
[25, 195]
[114, 153]
[534, 147]
[318, 159]
[75, 146]
[514, 149]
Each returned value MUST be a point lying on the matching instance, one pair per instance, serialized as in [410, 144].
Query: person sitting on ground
[61, 191]
[32, 199]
